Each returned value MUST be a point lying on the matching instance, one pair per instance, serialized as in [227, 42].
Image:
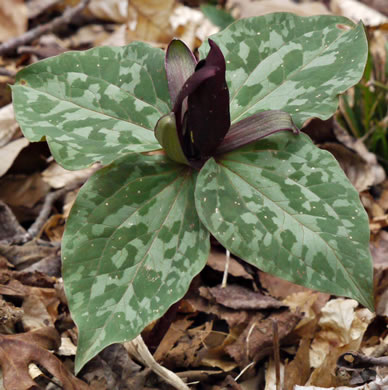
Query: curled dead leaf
[19, 350]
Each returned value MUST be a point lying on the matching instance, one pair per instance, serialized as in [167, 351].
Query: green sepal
[166, 134]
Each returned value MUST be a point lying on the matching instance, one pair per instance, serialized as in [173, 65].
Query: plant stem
[225, 276]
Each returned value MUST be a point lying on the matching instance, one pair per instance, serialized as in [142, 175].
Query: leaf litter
[257, 331]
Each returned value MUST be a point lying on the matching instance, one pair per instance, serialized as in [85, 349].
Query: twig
[244, 370]
[36, 227]
[9, 225]
[45, 212]
[357, 360]
[139, 350]
[276, 353]
[29, 36]
[226, 270]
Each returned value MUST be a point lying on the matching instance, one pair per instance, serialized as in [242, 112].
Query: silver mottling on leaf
[94, 105]
[132, 245]
[286, 207]
[295, 64]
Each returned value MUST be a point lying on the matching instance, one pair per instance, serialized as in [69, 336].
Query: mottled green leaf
[94, 105]
[217, 15]
[286, 207]
[295, 64]
[132, 245]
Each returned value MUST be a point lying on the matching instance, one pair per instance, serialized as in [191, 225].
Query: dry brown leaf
[213, 354]
[36, 7]
[54, 227]
[375, 171]
[21, 190]
[216, 261]
[232, 317]
[379, 5]
[174, 333]
[358, 171]
[103, 38]
[357, 11]
[36, 313]
[9, 226]
[113, 369]
[185, 352]
[19, 350]
[28, 254]
[310, 304]
[9, 315]
[279, 288]
[9, 152]
[249, 8]
[13, 19]
[383, 197]
[297, 372]
[149, 20]
[68, 202]
[191, 26]
[40, 305]
[342, 330]
[379, 251]
[238, 297]
[8, 124]
[111, 10]
[256, 341]
[58, 177]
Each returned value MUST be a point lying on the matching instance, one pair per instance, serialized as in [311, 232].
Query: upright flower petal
[180, 65]
[184, 130]
[208, 117]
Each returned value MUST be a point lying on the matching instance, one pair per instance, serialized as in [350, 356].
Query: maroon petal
[208, 117]
[255, 127]
[190, 86]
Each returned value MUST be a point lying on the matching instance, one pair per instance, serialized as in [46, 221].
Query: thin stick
[276, 353]
[9, 46]
[225, 276]
[36, 227]
[244, 370]
[139, 350]
[45, 212]
[9, 225]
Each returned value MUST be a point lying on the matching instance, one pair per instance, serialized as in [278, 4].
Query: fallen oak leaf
[256, 341]
[17, 351]
[238, 297]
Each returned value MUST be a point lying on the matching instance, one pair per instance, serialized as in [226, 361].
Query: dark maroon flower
[199, 125]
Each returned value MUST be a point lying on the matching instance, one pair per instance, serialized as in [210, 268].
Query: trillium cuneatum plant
[140, 228]
[199, 125]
